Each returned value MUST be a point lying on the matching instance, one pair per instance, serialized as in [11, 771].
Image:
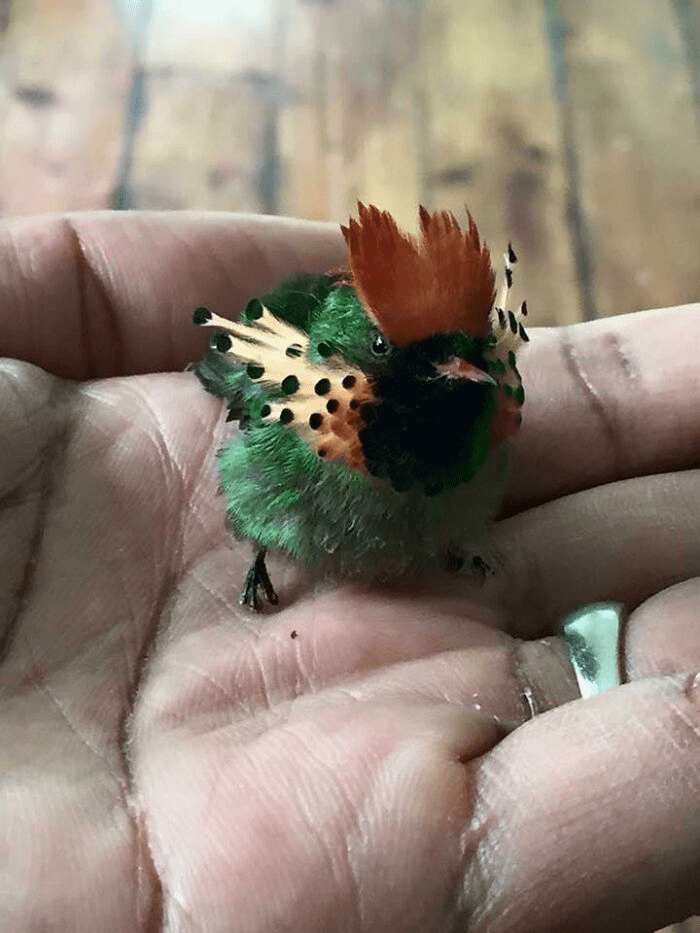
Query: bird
[375, 405]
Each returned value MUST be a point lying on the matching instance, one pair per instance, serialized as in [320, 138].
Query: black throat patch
[426, 428]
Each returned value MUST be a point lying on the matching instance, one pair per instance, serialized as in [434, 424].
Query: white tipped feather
[282, 351]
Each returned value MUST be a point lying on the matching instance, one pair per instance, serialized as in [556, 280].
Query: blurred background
[572, 128]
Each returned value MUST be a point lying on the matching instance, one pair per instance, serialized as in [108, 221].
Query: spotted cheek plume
[508, 337]
[333, 426]
[322, 403]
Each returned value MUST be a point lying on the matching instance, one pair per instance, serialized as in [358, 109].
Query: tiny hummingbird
[373, 403]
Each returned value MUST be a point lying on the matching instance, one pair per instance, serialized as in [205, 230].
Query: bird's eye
[380, 346]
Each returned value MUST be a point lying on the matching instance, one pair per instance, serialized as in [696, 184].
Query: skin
[411, 758]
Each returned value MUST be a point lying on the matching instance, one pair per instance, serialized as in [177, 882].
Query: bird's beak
[457, 368]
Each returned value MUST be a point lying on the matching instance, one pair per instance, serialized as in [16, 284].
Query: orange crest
[411, 287]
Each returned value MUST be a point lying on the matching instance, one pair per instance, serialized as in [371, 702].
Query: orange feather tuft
[506, 420]
[440, 282]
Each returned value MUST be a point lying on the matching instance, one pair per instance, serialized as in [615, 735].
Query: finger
[91, 295]
[618, 543]
[340, 817]
[663, 634]
[588, 817]
[606, 401]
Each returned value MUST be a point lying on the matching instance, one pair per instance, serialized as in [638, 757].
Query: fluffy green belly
[342, 522]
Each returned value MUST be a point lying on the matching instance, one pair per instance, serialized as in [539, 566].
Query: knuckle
[605, 371]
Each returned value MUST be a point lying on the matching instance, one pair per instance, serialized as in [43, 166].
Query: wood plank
[688, 20]
[350, 127]
[200, 143]
[494, 142]
[637, 140]
[379, 85]
[391, 162]
[228, 36]
[304, 74]
[208, 137]
[397, 113]
[65, 70]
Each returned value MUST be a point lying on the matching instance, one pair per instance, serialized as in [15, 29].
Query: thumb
[589, 816]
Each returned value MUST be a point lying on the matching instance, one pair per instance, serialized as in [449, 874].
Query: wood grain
[494, 141]
[350, 126]
[173, 169]
[572, 129]
[65, 79]
[208, 136]
[306, 179]
[637, 141]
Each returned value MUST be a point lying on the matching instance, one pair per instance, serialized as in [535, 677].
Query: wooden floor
[571, 128]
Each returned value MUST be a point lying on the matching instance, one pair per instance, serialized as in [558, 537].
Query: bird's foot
[481, 568]
[477, 565]
[256, 579]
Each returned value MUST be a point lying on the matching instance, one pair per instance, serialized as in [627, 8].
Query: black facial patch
[421, 429]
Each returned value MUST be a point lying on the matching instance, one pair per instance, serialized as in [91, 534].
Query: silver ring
[592, 637]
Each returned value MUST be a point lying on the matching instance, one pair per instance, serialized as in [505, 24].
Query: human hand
[168, 760]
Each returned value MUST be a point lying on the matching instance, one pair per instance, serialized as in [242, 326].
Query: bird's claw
[481, 568]
[256, 579]
[477, 566]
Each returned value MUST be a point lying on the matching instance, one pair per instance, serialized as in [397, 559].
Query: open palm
[360, 760]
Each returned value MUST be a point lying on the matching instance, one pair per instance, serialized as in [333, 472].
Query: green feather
[341, 521]
[342, 325]
[299, 299]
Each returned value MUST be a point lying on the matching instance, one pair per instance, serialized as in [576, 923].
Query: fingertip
[663, 636]
[623, 392]
[591, 813]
